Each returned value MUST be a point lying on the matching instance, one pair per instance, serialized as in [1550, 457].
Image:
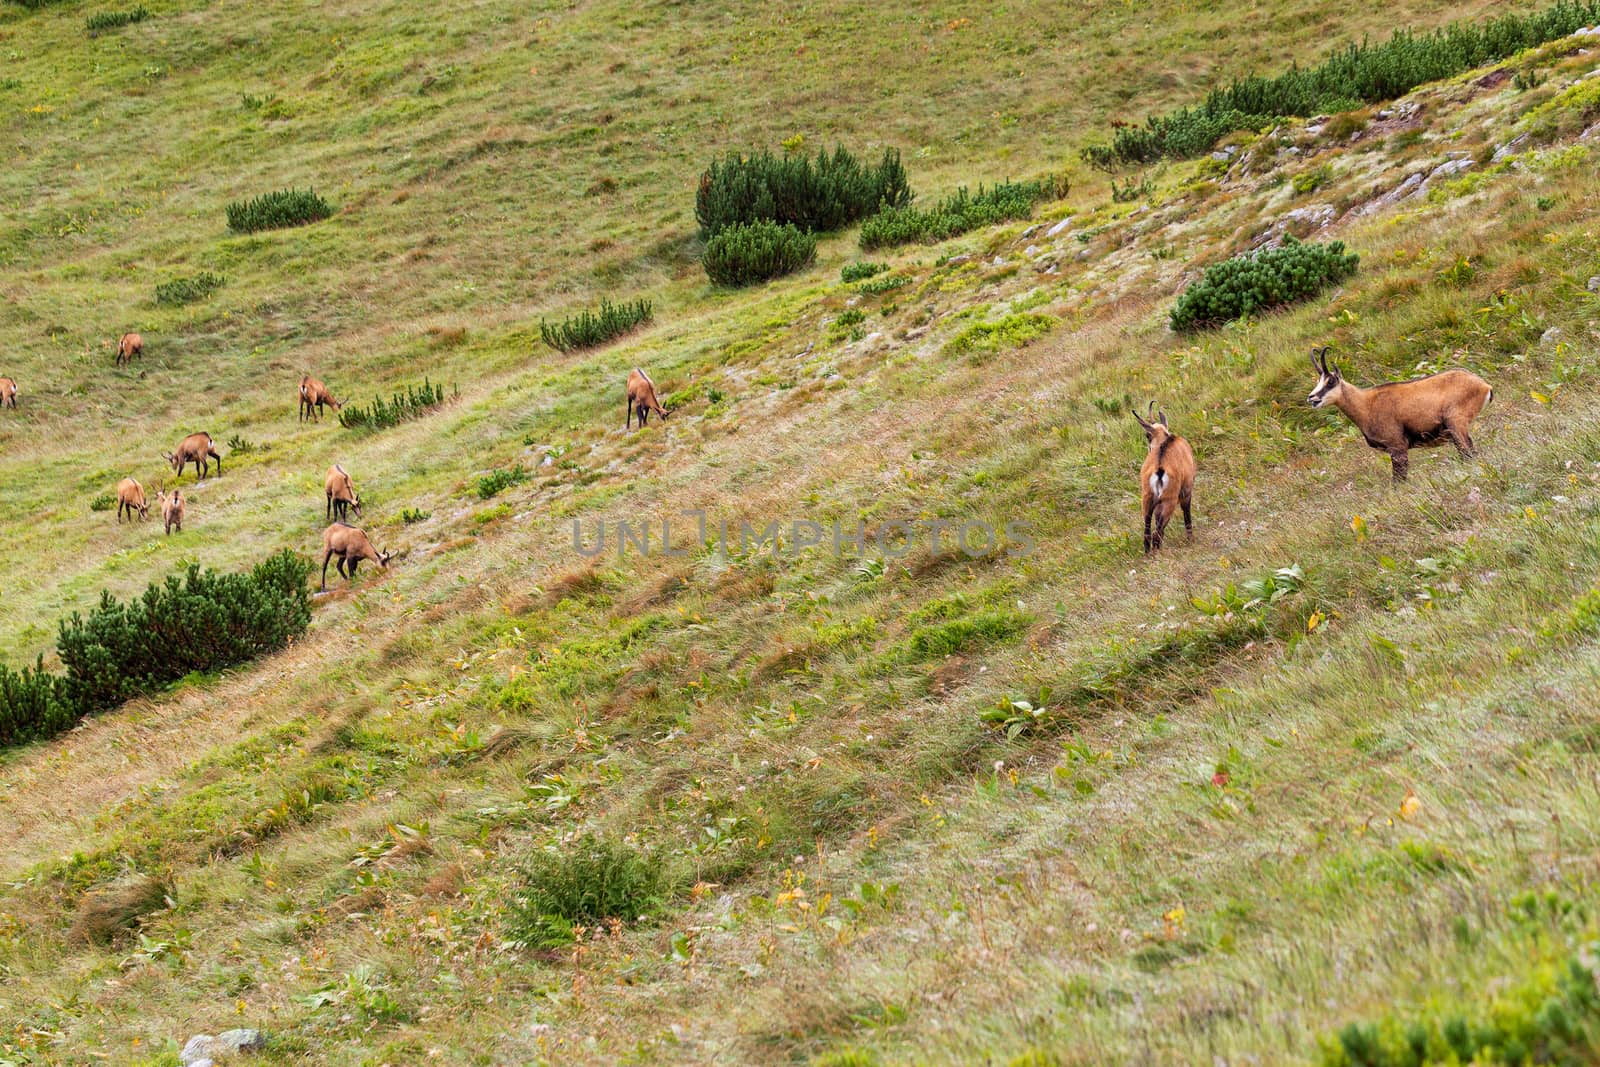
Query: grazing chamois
[1166, 479]
[313, 394]
[171, 509]
[199, 449]
[1399, 416]
[642, 399]
[341, 494]
[128, 346]
[351, 546]
[130, 498]
[8, 393]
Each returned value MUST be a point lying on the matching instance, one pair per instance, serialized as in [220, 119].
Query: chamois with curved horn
[351, 546]
[1399, 416]
[1166, 479]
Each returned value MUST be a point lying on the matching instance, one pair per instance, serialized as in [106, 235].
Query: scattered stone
[1450, 169]
[547, 460]
[197, 1050]
[1058, 228]
[998, 262]
[1550, 336]
[1316, 215]
[1594, 284]
[1031, 230]
[1412, 186]
[1510, 148]
[1587, 31]
[956, 261]
[1031, 251]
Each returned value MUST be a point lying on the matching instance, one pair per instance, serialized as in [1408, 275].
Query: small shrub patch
[958, 214]
[585, 883]
[588, 328]
[1247, 284]
[278, 210]
[747, 254]
[106, 21]
[825, 194]
[857, 272]
[402, 407]
[182, 291]
[496, 481]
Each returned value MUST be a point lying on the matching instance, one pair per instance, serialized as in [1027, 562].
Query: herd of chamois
[1395, 417]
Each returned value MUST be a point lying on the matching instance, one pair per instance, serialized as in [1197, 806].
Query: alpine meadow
[813, 533]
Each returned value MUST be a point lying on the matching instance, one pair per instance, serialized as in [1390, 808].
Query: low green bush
[412, 516]
[204, 622]
[496, 481]
[1255, 282]
[278, 210]
[856, 272]
[103, 502]
[747, 254]
[105, 21]
[382, 414]
[584, 883]
[589, 328]
[182, 291]
[821, 195]
[958, 214]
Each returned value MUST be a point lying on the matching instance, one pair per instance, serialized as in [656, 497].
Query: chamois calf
[1166, 479]
[171, 509]
[642, 399]
[8, 393]
[199, 449]
[1399, 416]
[314, 394]
[130, 498]
[351, 546]
[128, 346]
[341, 494]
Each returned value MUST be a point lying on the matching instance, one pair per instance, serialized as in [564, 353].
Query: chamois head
[1329, 381]
[1154, 430]
[177, 464]
[383, 559]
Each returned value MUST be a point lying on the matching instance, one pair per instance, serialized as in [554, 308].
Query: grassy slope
[497, 691]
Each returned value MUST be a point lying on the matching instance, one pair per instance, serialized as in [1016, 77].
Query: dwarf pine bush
[382, 414]
[958, 214]
[182, 291]
[824, 194]
[204, 621]
[584, 883]
[857, 272]
[589, 328]
[1250, 283]
[746, 254]
[1364, 73]
[495, 482]
[105, 21]
[278, 210]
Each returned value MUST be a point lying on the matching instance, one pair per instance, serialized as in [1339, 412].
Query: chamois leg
[120, 506]
[1400, 461]
[627, 423]
[218, 458]
[1147, 530]
[1163, 516]
[352, 565]
[1461, 439]
[327, 555]
[327, 513]
[1188, 523]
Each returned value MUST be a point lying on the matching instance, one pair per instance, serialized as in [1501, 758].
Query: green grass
[1285, 781]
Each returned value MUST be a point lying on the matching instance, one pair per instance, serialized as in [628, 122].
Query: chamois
[130, 498]
[199, 449]
[351, 546]
[171, 509]
[341, 494]
[1399, 416]
[128, 346]
[1166, 479]
[314, 394]
[8, 393]
[642, 399]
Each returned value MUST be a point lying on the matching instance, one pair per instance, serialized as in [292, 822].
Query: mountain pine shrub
[1358, 74]
[958, 214]
[1254, 282]
[105, 21]
[204, 622]
[182, 291]
[402, 407]
[278, 210]
[588, 328]
[819, 195]
[745, 254]
[857, 272]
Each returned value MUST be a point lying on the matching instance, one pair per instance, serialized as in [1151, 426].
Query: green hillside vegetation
[1315, 788]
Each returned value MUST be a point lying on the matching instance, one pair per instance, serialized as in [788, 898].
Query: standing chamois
[351, 546]
[130, 498]
[314, 394]
[1166, 479]
[1399, 416]
[642, 399]
[341, 494]
[128, 346]
[8, 393]
[171, 509]
[199, 449]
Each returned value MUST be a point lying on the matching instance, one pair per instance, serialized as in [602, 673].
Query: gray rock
[1450, 169]
[197, 1050]
[1510, 148]
[1594, 284]
[1224, 155]
[1058, 228]
[1550, 336]
[202, 1050]
[1031, 251]
[241, 1040]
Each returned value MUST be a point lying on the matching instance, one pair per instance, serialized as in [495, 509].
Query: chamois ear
[1163, 420]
